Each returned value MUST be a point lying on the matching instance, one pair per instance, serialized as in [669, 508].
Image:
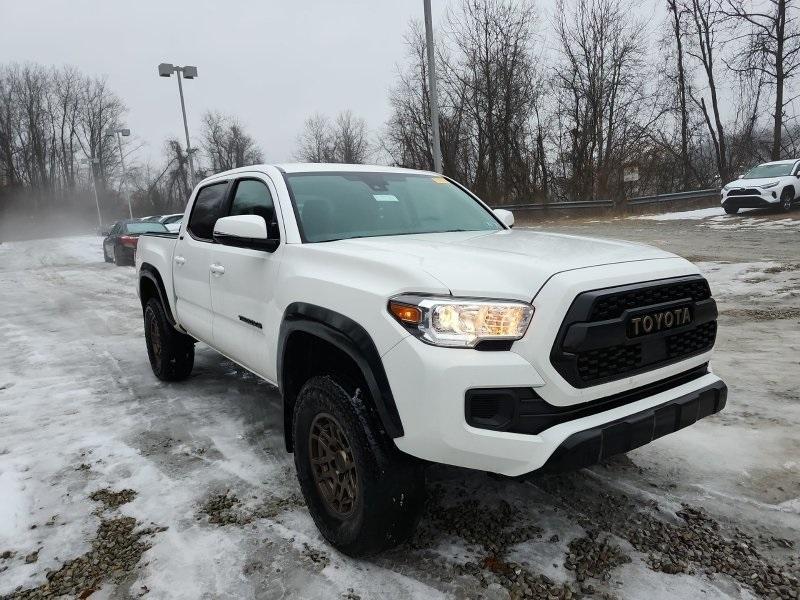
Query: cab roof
[321, 168]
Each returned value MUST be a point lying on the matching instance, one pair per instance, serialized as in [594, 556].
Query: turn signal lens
[411, 315]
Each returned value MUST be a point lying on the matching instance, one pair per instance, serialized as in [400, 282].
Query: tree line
[58, 142]
[532, 109]
[690, 101]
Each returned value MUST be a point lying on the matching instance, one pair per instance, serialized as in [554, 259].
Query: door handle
[179, 260]
[217, 269]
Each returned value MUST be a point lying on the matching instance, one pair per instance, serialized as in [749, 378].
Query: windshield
[144, 227]
[769, 170]
[341, 205]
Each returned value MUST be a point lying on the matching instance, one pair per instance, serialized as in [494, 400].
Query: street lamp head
[124, 132]
[165, 69]
[189, 72]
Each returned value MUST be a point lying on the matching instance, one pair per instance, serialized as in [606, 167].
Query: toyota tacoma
[406, 323]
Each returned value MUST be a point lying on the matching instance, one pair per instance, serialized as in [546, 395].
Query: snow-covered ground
[701, 213]
[745, 220]
[80, 412]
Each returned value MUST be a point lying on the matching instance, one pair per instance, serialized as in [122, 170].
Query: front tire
[787, 197]
[171, 353]
[364, 495]
[730, 210]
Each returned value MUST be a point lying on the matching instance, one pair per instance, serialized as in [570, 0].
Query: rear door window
[206, 210]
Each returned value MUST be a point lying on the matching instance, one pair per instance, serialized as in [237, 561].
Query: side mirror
[244, 231]
[506, 216]
[740, 177]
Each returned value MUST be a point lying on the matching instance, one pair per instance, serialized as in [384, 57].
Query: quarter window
[207, 209]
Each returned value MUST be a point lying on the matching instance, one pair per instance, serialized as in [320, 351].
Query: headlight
[461, 322]
[726, 187]
[771, 184]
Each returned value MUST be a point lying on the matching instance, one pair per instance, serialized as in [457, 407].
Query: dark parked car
[119, 246]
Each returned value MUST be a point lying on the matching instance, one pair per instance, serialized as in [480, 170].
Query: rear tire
[120, 257]
[106, 257]
[171, 353]
[364, 495]
[730, 210]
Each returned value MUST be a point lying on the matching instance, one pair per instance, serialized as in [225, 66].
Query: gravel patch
[316, 556]
[695, 544]
[763, 314]
[495, 529]
[227, 509]
[115, 552]
[111, 499]
[594, 556]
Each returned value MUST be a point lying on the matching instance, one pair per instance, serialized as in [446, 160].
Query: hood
[738, 184]
[512, 264]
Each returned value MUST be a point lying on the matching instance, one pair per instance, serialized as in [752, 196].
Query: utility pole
[126, 133]
[166, 70]
[92, 162]
[437, 150]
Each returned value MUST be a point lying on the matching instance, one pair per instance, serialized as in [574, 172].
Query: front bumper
[430, 383]
[753, 199]
[622, 435]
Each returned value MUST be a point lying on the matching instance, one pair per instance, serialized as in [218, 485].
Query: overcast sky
[269, 63]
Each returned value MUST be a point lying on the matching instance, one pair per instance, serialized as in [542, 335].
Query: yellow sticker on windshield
[439, 180]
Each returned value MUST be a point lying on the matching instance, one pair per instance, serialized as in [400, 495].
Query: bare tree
[226, 143]
[344, 140]
[601, 93]
[316, 141]
[676, 15]
[772, 52]
[704, 24]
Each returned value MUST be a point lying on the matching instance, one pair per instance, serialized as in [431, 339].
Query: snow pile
[702, 213]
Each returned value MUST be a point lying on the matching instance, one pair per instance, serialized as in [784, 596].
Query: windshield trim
[299, 222]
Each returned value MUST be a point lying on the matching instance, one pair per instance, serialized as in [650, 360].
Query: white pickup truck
[405, 322]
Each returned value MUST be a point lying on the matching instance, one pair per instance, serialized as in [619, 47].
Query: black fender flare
[352, 339]
[148, 271]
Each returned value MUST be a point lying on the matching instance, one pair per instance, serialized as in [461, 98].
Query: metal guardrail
[639, 200]
[560, 205]
[692, 195]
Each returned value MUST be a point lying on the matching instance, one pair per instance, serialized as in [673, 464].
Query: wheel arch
[308, 329]
[152, 286]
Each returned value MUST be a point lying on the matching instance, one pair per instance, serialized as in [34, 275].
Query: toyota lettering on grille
[659, 321]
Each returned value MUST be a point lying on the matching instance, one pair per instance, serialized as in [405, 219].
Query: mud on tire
[171, 353]
[388, 491]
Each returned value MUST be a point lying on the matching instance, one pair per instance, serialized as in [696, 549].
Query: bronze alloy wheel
[333, 465]
[155, 340]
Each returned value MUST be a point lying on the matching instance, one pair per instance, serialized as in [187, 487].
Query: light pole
[124, 133]
[166, 70]
[437, 150]
[92, 162]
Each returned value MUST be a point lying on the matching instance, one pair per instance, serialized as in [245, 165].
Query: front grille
[744, 192]
[692, 341]
[607, 362]
[613, 305]
[593, 345]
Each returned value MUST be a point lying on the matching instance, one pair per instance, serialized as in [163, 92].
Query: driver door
[246, 319]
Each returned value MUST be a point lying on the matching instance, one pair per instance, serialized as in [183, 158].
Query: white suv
[769, 184]
[405, 322]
